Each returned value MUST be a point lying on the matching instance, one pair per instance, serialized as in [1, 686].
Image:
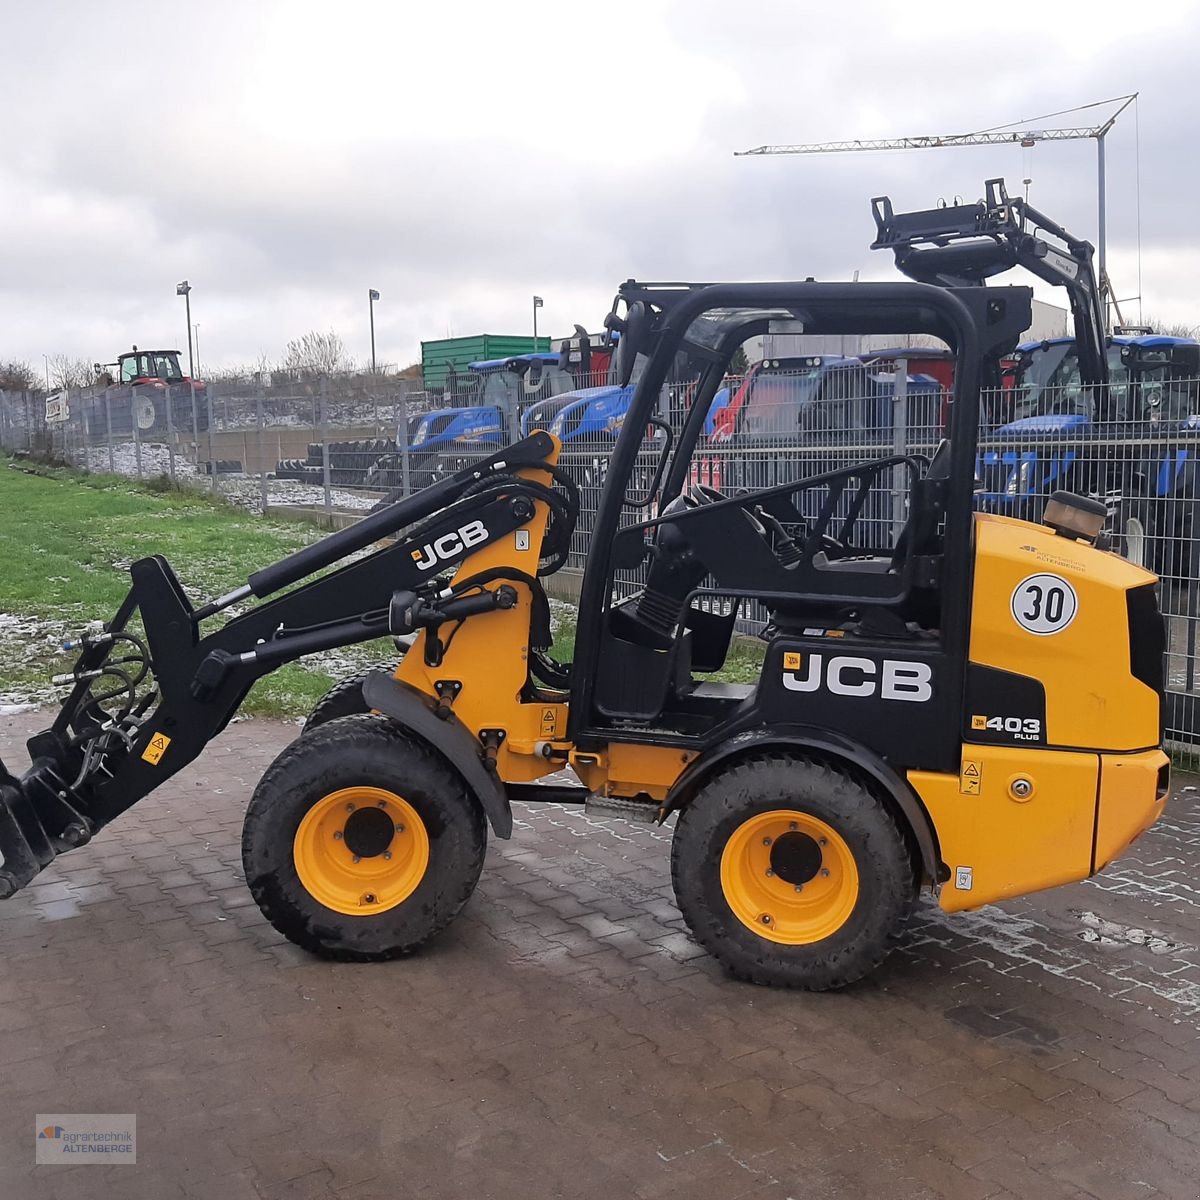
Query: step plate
[644, 812]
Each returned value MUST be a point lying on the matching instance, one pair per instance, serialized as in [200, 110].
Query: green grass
[66, 542]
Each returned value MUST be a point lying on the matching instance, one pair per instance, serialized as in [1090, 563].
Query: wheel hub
[789, 876]
[795, 857]
[368, 832]
[361, 850]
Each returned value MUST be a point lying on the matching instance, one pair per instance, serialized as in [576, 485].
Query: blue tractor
[494, 400]
[1132, 444]
[1107, 417]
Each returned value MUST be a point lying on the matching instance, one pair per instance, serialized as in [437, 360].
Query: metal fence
[310, 444]
[341, 447]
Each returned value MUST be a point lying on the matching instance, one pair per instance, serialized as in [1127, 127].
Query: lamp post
[537, 303]
[372, 296]
[184, 289]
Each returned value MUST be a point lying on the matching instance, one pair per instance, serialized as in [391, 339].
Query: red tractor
[150, 391]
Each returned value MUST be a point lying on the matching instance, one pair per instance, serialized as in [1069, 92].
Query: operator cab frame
[791, 547]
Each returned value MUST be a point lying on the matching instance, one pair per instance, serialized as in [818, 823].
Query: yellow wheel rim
[789, 876]
[361, 851]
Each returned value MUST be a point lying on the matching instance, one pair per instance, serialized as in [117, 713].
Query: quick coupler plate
[39, 820]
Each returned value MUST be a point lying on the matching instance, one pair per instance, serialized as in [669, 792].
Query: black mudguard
[449, 736]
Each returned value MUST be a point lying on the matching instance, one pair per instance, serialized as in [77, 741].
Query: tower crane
[999, 135]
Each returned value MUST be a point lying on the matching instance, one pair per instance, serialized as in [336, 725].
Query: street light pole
[372, 296]
[537, 303]
[184, 289]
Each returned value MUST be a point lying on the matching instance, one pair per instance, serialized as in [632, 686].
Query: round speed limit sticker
[1044, 604]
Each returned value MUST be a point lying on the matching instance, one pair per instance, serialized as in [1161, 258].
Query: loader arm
[145, 702]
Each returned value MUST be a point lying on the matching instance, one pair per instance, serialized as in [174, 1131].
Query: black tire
[886, 880]
[345, 698]
[362, 751]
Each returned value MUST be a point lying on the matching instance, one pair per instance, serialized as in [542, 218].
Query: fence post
[136, 425]
[195, 427]
[212, 458]
[899, 445]
[322, 399]
[402, 438]
[70, 433]
[262, 462]
[167, 402]
[79, 437]
[112, 464]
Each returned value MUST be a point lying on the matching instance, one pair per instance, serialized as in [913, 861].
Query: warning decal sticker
[156, 749]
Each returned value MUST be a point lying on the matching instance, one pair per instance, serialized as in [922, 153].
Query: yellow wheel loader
[970, 704]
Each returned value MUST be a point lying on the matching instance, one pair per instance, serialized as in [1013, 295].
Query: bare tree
[70, 372]
[317, 354]
[17, 376]
[1172, 328]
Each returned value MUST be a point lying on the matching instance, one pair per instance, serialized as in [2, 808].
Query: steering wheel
[698, 495]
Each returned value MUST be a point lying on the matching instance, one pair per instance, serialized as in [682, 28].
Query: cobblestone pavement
[566, 1038]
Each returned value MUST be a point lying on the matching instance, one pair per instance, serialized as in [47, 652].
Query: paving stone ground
[565, 1037]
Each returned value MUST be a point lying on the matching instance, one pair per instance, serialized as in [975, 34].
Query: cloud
[286, 157]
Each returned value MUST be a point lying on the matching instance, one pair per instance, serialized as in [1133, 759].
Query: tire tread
[353, 736]
[767, 963]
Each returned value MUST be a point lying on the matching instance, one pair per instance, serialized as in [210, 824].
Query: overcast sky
[287, 156]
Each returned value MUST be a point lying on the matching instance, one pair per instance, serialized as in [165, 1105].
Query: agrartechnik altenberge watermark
[103, 1139]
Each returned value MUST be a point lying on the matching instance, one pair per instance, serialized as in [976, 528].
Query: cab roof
[498, 364]
[1140, 339]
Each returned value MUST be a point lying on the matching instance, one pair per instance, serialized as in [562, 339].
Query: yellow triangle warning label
[549, 722]
[970, 778]
[156, 748]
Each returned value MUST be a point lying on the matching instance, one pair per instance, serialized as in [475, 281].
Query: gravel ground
[243, 490]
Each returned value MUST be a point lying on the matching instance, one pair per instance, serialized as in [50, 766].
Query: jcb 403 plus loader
[970, 704]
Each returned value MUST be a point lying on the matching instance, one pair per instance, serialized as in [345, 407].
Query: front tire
[345, 698]
[361, 843]
[791, 873]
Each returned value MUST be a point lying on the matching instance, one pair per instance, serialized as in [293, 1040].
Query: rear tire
[791, 873]
[360, 843]
[345, 698]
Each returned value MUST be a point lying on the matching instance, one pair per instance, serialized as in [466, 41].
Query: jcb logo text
[449, 545]
[848, 675]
